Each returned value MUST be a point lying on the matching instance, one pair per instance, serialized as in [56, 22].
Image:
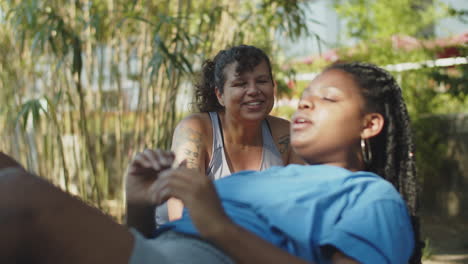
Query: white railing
[406, 66]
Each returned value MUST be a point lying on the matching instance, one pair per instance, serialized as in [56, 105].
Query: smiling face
[330, 121]
[248, 95]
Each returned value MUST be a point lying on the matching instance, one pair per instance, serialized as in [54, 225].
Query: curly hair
[393, 149]
[247, 58]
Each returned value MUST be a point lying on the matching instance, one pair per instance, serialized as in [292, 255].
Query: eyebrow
[236, 79]
[264, 75]
[333, 89]
[330, 87]
[240, 78]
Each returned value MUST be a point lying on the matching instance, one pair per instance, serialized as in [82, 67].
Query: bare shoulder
[280, 132]
[279, 127]
[192, 138]
[281, 135]
[195, 128]
[198, 122]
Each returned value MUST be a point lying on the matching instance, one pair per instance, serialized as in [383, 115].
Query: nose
[304, 105]
[252, 89]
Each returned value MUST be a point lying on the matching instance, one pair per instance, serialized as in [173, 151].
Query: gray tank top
[218, 166]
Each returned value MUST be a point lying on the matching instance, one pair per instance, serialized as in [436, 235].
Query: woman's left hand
[198, 194]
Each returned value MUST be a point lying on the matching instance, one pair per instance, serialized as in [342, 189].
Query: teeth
[300, 120]
[254, 103]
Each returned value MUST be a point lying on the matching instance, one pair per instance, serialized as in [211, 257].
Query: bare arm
[65, 229]
[280, 131]
[141, 183]
[340, 258]
[141, 217]
[188, 145]
[246, 247]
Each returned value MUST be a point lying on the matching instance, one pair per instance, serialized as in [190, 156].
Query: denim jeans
[173, 247]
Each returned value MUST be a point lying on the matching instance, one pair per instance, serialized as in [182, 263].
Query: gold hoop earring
[366, 151]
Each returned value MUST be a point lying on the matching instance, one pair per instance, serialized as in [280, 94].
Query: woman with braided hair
[233, 130]
[396, 164]
[351, 123]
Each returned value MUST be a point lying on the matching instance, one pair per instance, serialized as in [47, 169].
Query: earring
[366, 151]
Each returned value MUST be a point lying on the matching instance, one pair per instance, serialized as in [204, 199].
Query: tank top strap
[217, 133]
[218, 166]
[271, 155]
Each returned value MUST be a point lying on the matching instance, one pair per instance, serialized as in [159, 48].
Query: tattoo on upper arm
[187, 144]
[283, 143]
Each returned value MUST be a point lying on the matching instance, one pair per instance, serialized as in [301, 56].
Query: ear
[219, 95]
[372, 125]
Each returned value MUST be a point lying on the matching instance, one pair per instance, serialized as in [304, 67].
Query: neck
[350, 161]
[240, 132]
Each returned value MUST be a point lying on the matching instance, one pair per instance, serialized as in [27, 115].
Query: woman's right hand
[142, 175]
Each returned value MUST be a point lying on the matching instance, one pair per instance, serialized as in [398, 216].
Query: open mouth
[253, 103]
[300, 123]
[254, 106]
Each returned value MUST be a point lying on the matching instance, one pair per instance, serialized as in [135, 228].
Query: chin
[256, 116]
[298, 147]
[302, 147]
[297, 140]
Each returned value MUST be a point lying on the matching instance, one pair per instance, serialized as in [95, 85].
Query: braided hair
[247, 57]
[393, 149]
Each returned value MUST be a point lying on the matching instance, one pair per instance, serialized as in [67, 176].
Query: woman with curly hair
[233, 130]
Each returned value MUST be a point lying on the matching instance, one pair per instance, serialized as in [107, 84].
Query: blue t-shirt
[303, 208]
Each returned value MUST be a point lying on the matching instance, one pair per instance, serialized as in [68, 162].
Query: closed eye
[329, 99]
[240, 84]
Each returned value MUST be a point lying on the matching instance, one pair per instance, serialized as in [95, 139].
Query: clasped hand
[152, 180]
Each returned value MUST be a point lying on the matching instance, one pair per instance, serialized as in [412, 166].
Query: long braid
[393, 149]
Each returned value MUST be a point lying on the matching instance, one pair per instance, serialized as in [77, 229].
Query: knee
[19, 217]
[13, 179]
[8, 162]
[15, 185]
[16, 214]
